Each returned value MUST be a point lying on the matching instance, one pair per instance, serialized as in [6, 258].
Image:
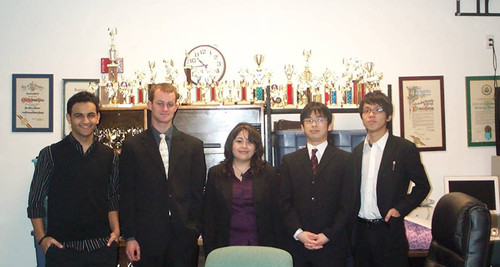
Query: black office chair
[460, 232]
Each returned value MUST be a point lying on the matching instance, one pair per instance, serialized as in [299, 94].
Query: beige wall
[402, 37]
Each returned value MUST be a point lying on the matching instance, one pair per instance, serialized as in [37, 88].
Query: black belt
[370, 222]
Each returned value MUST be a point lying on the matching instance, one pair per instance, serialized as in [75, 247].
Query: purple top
[243, 223]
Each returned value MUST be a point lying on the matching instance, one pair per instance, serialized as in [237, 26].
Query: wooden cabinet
[212, 125]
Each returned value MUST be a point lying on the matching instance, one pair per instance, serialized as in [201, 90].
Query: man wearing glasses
[314, 199]
[383, 167]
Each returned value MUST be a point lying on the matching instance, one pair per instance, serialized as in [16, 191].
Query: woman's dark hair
[256, 162]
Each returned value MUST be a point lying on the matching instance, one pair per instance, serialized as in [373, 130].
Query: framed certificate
[421, 102]
[480, 111]
[32, 102]
[71, 87]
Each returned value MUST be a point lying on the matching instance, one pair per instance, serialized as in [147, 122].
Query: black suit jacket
[218, 203]
[400, 164]
[318, 203]
[146, 196]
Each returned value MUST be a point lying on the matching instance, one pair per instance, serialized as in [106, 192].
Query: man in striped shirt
[79, 177]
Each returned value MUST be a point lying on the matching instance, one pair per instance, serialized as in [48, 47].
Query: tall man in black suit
[161, 193]
[314, 197]
[384, 165]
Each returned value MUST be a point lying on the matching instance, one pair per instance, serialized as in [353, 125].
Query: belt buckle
[370, 222]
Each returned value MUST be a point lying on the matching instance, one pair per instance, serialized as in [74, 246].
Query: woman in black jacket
[241, 195]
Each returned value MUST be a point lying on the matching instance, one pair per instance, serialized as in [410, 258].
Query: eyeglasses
[374, 110]
[318, 120]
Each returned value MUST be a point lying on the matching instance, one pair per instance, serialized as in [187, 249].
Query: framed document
[421, 101]
[32, 102]
[480, 111]
[71, 87]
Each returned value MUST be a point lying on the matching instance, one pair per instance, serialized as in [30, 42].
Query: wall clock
[206, 62]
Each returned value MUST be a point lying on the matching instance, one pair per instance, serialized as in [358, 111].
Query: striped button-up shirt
[40, 186]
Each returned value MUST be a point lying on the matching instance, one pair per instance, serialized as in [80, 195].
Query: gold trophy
[212, 94]
[171, 72]
[113, 56]
[277, 96]
[243, 87]
[189, 82]
[259, 59]
[326, 89]
[307, 72]
[350, 80]
[304, 89]
[372, 78]
[290, 94]
[199, 91]
[140, 90]
[258, 78]
[189, 85]
[109, 84]
[152, 65]
[331, 94]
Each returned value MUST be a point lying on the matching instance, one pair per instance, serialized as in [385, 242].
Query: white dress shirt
[321, 150]
[372, 156]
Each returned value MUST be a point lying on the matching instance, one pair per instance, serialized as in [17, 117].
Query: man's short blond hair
[164, 87]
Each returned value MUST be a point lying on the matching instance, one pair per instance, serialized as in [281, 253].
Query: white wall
[402, 37]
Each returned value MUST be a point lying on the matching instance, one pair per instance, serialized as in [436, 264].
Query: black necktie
[314, 160]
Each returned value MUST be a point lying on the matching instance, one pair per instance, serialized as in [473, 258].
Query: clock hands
[199, 66]
[204, 65]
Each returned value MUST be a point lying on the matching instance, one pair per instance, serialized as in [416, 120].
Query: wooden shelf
[298, 110]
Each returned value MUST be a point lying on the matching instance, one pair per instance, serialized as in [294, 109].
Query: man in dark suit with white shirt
[384, 165]
[315, 196]
[162, 172]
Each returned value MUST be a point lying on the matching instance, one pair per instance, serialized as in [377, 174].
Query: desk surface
[495, 225]
[423, 216]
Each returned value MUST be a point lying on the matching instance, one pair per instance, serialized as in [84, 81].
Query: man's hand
[391, 213]
[310, 240]
[114, 236]
[322, 239]
[49, 241]
[133, 250]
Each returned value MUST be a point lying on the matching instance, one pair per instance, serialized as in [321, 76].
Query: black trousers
[67, 257]
[176, 254]
[331, 255]
[380, 244]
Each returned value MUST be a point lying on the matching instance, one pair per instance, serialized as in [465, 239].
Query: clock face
[207, 64]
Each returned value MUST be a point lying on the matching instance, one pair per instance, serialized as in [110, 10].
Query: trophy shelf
[298, 110]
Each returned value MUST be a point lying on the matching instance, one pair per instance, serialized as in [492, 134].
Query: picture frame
[480, 95]
[71, 87]
[32, 102]
[421, 100]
